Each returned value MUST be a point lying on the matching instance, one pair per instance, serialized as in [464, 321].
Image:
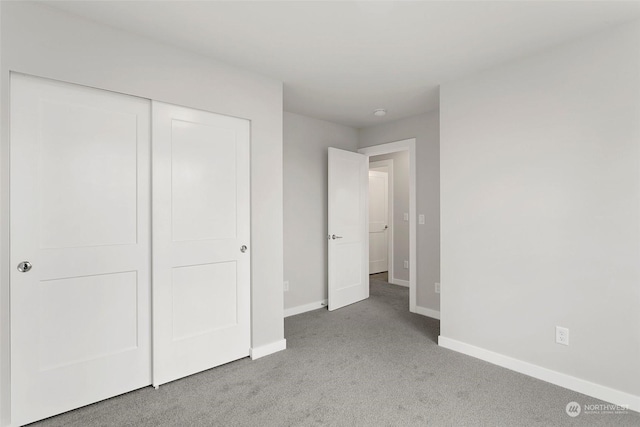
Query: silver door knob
[243, 248]
[334, 237]
[24, 266]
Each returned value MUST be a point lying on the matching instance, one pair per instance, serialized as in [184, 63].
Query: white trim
[304, 308]
[389, 165]
[265, 350]
[400, 282]
[393, 147]
[429, 312]
[563, 380]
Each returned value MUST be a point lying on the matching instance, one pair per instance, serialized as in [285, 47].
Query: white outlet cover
[405, 216]
[406, 264]
[437, 288]
[421, 219]
[286, 285]
[562, 335]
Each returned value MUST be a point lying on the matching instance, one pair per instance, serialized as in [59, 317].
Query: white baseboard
[399, 282]
[304, 308]
[427, 312]
[563, 380]
[265, 350]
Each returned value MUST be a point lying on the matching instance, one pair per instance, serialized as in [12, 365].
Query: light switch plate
[421, 219]
[405, 216]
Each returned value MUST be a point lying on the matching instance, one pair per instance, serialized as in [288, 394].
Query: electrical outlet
[562, 335]
[421, 219]
[405, 216]
[286, 286]
[406, 264]
[437, 288]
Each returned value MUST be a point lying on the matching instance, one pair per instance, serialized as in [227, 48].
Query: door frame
[393, 147]
[388, 164]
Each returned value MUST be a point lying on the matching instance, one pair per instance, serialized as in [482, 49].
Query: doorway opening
[395, 245]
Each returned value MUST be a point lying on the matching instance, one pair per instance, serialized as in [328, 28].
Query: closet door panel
[80, 216]
[201, 223]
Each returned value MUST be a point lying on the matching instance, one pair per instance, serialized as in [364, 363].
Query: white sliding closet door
[201, 263]
[80, 219]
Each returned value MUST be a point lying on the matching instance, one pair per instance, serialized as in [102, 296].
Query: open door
[348, 228]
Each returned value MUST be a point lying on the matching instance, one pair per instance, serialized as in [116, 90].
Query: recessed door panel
[87, 164]
[349, 271]
[203, 184]
[80, 215]
[204, 299]
[71, 333]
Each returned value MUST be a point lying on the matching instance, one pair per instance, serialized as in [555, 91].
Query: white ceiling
[341, 60]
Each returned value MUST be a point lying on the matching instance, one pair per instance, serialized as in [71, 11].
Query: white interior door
[80, 317]
[378, 221]
[348, 237]
[201, 223]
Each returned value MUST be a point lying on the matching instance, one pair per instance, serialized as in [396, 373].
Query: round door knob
[24, 266]
[243, 248]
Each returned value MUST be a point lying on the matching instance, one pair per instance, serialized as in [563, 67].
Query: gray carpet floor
[369, 364]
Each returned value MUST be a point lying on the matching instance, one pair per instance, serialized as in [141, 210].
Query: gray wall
[540, 164]
[425, 128]
[41, 41]
[400, 206]
[305, 204]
